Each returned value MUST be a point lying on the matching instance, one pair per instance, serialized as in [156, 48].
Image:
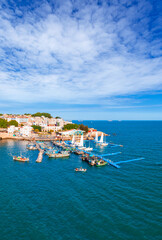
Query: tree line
[71, 126]
[5, 124]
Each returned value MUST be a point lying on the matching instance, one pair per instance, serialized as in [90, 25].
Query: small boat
[85, 157]
[80, 169]
[88, 149]
[82, 148]
[78, 152]
[92, 162]
[101, 163]
[20, 159]
[104, 144]
[31, 147]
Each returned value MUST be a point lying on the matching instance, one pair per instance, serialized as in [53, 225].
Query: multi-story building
[26, 131]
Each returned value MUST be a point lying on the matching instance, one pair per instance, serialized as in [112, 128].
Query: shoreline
[9, 136]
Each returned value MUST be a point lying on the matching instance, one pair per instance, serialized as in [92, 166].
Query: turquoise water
[51, 201]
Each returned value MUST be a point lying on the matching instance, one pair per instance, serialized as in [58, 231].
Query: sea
[49, 200]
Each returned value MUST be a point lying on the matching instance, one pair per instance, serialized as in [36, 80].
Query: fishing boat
[101, 163]
[61, 154]
[80, 169]
[20, 159]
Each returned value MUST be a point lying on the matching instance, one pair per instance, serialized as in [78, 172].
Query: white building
[12, 129]
[21, 119]
[51, 128]
[26, 131]
[71, 132]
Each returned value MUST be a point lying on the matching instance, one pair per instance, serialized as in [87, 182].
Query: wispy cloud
[78, 53]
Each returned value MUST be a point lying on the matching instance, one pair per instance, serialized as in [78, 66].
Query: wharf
[106, 160]
[110, 162]
[40, 156]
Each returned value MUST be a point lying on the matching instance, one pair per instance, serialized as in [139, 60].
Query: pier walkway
[40, 155]
[116, 165]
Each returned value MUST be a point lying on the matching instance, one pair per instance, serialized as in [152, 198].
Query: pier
[41, 147]
[40, 156]
[131, 160]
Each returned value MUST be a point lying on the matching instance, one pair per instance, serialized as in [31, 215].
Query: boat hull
[20, 159]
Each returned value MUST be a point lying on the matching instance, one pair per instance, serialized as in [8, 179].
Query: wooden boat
[20, 159]
[80, 169]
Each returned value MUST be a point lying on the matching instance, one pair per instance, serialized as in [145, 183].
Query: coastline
[5, 136]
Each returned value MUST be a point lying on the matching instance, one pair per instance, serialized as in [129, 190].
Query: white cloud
[96, 53]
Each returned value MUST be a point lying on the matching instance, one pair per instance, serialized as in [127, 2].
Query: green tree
[58, 117]
[36, 127]
[3, 123]
[71, 126]
[39, 114]
[83, 127]
[13, 122]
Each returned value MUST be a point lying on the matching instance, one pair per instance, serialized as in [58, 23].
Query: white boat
[82, 148]
[101, 142]
[73, 140]
[96, 138]
[88, 149]
[101, 139]
[104, 144]
[81, 144]
[80, 169]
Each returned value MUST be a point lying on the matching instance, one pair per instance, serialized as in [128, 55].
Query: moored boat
[59, 154]
[101, 163]
[88, 149]
[31, 147]
[78, 152]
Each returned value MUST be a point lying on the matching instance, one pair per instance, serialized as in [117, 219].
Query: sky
[83, 59]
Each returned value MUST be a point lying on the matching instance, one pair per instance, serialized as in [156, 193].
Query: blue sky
[82, 59]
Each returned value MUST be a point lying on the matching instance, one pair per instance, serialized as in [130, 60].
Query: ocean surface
[49, 201]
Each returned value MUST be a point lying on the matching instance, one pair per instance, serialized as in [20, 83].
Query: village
[33, 127]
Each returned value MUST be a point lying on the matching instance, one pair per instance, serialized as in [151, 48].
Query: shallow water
[51, 201]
